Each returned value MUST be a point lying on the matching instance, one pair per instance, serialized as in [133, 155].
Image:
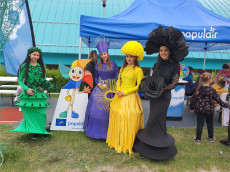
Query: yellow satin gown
[126, 113]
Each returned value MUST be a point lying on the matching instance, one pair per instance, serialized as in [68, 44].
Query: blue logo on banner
[60, 122]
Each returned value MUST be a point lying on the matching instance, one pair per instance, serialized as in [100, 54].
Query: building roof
[56, 23]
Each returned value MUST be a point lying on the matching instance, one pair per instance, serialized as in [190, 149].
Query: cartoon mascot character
[77, 74]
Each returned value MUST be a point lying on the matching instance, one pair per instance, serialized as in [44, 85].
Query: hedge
[58, 81]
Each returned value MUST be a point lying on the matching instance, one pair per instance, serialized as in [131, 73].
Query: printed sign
[177, 102]
[67, 117]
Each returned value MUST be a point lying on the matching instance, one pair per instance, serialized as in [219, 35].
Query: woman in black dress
[153, 142]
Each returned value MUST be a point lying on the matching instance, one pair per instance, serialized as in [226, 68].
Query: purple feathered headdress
[102, 44]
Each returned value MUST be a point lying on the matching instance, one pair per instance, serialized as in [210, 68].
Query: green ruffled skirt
[34, 112]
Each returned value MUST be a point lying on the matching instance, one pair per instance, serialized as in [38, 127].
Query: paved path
[188, 120]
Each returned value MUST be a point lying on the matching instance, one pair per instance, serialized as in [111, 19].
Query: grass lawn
[73, 151]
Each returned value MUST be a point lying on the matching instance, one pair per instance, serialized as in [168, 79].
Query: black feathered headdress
[172, 38]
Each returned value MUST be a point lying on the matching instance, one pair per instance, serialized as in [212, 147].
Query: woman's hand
[192, 110]
[119, 93]
[41, 89]
[100, 86]
[30, 92]
[104, 86]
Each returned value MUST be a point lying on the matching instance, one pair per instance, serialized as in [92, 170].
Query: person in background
[17, 99]
[227, 141]
[225, 71]
[202, 102]
[190, 75]
[190, 86]
[198, 82]
[219, 87]
[19, 91]
[91, 66]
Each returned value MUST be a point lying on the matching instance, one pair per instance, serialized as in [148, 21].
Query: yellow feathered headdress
[133, 48]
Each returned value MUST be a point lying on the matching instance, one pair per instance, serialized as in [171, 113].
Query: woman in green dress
[33, 101]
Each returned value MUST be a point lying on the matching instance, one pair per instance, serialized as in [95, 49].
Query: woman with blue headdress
[97, 112]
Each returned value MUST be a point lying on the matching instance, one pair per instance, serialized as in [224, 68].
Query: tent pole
[79, 48]
[205, 49]
[204, 59]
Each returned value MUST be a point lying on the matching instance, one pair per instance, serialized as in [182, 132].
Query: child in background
[202, 102]
[219, 87]
[18, 92]
[225, 71]
[197, 83]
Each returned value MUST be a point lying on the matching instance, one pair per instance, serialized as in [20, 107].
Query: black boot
[225, 142]
[35, 136]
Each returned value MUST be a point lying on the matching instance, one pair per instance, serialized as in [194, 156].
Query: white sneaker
[212, 139]
[196, 141]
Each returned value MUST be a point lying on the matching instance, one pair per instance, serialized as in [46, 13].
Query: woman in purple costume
[97, 112]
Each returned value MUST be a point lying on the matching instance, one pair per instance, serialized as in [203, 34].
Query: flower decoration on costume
[152, 86]
[33, 49]
[172, 38]
[133, 48]
[40, 83]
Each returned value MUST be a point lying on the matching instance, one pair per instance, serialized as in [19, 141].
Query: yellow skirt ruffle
[126, 118]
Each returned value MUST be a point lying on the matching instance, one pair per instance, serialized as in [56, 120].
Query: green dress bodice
[39, 98]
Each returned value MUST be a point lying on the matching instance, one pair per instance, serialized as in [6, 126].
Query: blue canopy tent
[203, 29]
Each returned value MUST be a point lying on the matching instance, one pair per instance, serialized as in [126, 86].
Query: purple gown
[97, 112]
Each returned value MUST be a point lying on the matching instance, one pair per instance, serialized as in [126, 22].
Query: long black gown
[153, 141]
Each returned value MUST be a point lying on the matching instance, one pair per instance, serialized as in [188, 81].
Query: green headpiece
[33, 49]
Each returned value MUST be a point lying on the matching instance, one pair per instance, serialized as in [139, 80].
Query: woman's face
[34, 56]
[164, 52]
[104, 57]
[226, 70]
[130, 59]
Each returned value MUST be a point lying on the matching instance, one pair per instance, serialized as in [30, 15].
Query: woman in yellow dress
[126, 113]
